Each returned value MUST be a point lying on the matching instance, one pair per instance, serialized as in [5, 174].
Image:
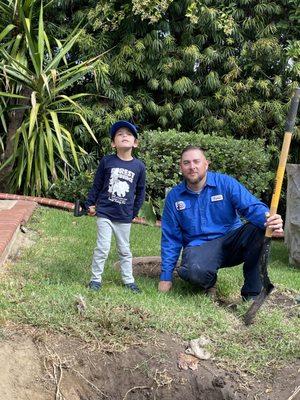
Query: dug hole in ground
[41, 365]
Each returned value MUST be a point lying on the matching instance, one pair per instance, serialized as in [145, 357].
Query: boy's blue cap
[123, 124]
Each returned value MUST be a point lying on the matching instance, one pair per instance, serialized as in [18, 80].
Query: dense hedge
[246, 160]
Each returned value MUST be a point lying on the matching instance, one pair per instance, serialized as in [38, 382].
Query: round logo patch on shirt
[180, 205]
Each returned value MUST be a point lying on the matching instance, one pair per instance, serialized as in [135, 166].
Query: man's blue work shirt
[190, 219]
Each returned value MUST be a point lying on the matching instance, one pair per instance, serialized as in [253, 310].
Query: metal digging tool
[265, 251]
[79, 209]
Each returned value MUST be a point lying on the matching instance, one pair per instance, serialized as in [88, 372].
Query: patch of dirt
[43, 366]
[21, 370]
[286, 302]
[150, 266]
[146, 266]
[37, 365]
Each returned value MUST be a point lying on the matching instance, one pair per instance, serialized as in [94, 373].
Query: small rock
[196, 348]
[203, 341]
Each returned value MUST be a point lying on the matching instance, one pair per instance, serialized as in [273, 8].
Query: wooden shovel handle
[289, 127]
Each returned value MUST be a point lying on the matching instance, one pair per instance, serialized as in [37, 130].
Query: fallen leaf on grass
[187, 361]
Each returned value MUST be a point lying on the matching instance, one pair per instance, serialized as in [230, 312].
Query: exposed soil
[41, 366]
[146, 266]
[38, 365]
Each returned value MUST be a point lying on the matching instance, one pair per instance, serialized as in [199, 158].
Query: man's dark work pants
[201, 263]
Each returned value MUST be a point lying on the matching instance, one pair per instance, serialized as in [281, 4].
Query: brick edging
[40, 200]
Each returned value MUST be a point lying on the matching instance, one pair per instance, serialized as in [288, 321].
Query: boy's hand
[164, 286]
[92, 211]
[275, 223]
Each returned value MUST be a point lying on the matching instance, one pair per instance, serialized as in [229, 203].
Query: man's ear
[180, 169]
[135, 143]
[112, 143]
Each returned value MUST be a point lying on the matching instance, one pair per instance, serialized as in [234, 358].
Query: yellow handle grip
[289, 126]
[279, 177]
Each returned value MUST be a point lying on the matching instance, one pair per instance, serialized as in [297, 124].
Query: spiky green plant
[35, 79]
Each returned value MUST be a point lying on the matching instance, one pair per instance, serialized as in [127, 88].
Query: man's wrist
[166, 276]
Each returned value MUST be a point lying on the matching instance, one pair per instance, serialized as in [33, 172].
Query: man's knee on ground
[202, 277]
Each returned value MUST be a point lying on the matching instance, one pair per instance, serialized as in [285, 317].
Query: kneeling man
[202, 216]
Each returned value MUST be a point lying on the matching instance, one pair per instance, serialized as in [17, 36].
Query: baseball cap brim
[123, 124]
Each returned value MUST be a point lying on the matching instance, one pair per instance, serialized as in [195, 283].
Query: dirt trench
[37, 365]
[43, 367]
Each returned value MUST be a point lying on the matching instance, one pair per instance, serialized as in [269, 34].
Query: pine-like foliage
[221, 67]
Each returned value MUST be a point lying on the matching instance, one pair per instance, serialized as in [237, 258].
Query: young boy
[116, 196]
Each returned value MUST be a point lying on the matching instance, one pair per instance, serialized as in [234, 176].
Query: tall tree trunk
[15, 121]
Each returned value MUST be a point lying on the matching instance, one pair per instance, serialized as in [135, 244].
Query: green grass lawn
[40, 289]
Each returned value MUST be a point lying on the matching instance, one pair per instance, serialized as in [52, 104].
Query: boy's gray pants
[121, 232]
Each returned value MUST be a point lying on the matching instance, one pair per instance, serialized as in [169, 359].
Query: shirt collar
[210, 181]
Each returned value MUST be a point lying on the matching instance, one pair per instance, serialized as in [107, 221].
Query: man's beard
[197, 179]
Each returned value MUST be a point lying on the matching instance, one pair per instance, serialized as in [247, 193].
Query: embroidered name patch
[180, 205]
[218, 197]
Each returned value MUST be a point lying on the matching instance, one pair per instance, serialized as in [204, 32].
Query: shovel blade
[267, 285]
[257, 303]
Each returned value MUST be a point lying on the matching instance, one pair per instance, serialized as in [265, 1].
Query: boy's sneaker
[133, 287]
[95, 286]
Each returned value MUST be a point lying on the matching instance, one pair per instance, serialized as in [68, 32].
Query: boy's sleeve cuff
[166, 276]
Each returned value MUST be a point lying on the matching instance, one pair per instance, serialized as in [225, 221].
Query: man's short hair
[192, 147]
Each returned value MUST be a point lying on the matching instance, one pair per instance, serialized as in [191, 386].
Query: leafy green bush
[75, 188]
[246, 160]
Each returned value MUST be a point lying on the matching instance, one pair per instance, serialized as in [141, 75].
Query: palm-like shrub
[35, 79]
